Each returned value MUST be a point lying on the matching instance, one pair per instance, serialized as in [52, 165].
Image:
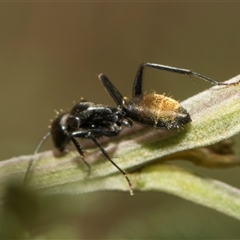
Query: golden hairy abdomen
[155, 110]
[157, 102]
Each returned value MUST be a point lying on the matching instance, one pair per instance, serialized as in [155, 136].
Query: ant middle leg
[102, 132]
[113, 163]
[87, 134]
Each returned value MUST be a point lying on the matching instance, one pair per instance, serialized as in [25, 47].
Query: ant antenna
[34, 155]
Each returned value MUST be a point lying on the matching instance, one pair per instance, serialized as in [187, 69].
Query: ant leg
[109, 159]
[113, 92]
[102, 132]
[87, 134]
[80, 151]
[137, 85]
[109, 132]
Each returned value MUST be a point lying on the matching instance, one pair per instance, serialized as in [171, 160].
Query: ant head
[58, 132]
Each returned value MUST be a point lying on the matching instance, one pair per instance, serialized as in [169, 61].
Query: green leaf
[215, 116]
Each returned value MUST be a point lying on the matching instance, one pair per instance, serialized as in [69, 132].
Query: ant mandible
[92, 121]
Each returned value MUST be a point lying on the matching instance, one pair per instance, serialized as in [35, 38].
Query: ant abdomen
[157, 110]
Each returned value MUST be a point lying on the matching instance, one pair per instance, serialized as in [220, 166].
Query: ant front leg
[80, 151]
[137, 85]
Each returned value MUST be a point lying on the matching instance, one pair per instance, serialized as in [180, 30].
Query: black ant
[92, 121]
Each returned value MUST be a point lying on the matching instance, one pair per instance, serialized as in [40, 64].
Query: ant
[92, 121]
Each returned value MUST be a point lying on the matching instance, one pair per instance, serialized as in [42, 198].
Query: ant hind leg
[137, 85]
[113, 92]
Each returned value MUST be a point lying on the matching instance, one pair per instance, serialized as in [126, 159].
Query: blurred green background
[51, 54]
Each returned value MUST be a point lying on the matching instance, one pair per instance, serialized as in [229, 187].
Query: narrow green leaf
[215, 116]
